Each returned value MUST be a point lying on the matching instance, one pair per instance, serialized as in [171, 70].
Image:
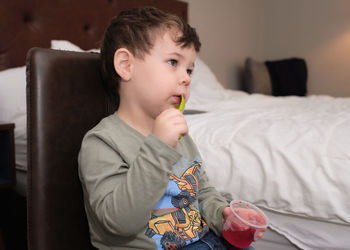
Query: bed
[288, 155]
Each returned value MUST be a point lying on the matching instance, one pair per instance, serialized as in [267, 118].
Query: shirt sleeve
[211, 204]
[120, 195]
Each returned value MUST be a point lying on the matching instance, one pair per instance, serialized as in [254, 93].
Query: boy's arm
[211, 204]
[122, 197]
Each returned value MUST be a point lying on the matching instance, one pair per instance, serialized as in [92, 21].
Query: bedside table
[7, 156]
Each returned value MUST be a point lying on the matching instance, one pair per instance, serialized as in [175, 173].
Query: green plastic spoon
[181, 107]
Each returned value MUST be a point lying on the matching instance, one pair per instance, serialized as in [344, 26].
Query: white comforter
[286, 154]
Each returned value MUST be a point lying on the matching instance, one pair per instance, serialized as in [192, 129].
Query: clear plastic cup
[244, 223]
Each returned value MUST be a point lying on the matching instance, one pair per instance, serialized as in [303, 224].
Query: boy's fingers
[258, 236]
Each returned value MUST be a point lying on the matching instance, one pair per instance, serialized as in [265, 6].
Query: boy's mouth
[177, 98]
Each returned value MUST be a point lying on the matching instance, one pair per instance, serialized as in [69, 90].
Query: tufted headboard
[25, 24]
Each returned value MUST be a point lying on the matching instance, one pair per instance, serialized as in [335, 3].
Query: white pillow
[203, 76]
[12, 94]
[204, 86]
[13, 109]
[67, 45]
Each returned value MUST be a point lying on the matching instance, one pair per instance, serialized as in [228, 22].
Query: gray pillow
[256, 77]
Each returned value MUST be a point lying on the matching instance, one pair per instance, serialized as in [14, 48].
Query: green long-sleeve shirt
[140, 193]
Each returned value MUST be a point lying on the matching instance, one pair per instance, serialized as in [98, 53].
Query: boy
[143, 187]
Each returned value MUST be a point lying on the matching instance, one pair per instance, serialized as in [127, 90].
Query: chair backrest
[256, 77]
[65, 99]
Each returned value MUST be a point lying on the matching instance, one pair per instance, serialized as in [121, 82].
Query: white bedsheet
[289, 154]
[310, 234]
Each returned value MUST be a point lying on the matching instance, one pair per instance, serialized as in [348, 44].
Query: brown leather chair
[65, 99]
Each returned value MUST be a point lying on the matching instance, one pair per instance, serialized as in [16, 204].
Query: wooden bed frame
[35, 23]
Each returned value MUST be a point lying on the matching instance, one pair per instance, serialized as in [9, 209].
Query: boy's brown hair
[135, 30]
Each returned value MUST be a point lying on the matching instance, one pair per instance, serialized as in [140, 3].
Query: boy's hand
[227, 212]
[169, 125]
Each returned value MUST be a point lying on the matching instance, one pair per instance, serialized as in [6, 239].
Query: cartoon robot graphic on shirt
[185, 223]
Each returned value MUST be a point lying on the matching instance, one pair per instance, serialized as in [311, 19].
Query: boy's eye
[172, 62]
[189, 72]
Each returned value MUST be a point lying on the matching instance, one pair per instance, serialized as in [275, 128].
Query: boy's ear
[123, 60]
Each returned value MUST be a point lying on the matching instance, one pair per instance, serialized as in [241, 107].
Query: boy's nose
[186, 79]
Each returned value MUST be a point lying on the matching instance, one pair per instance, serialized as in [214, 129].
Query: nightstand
[7, 156]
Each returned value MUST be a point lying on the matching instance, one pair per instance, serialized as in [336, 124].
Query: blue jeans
[212, 242]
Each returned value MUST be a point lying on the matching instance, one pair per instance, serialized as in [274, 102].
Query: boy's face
[162, 75]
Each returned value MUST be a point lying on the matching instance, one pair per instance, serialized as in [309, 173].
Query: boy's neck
[136, 120]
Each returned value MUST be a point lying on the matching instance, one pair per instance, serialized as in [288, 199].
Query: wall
[319, 32]
[316, 30]
[229, 30]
